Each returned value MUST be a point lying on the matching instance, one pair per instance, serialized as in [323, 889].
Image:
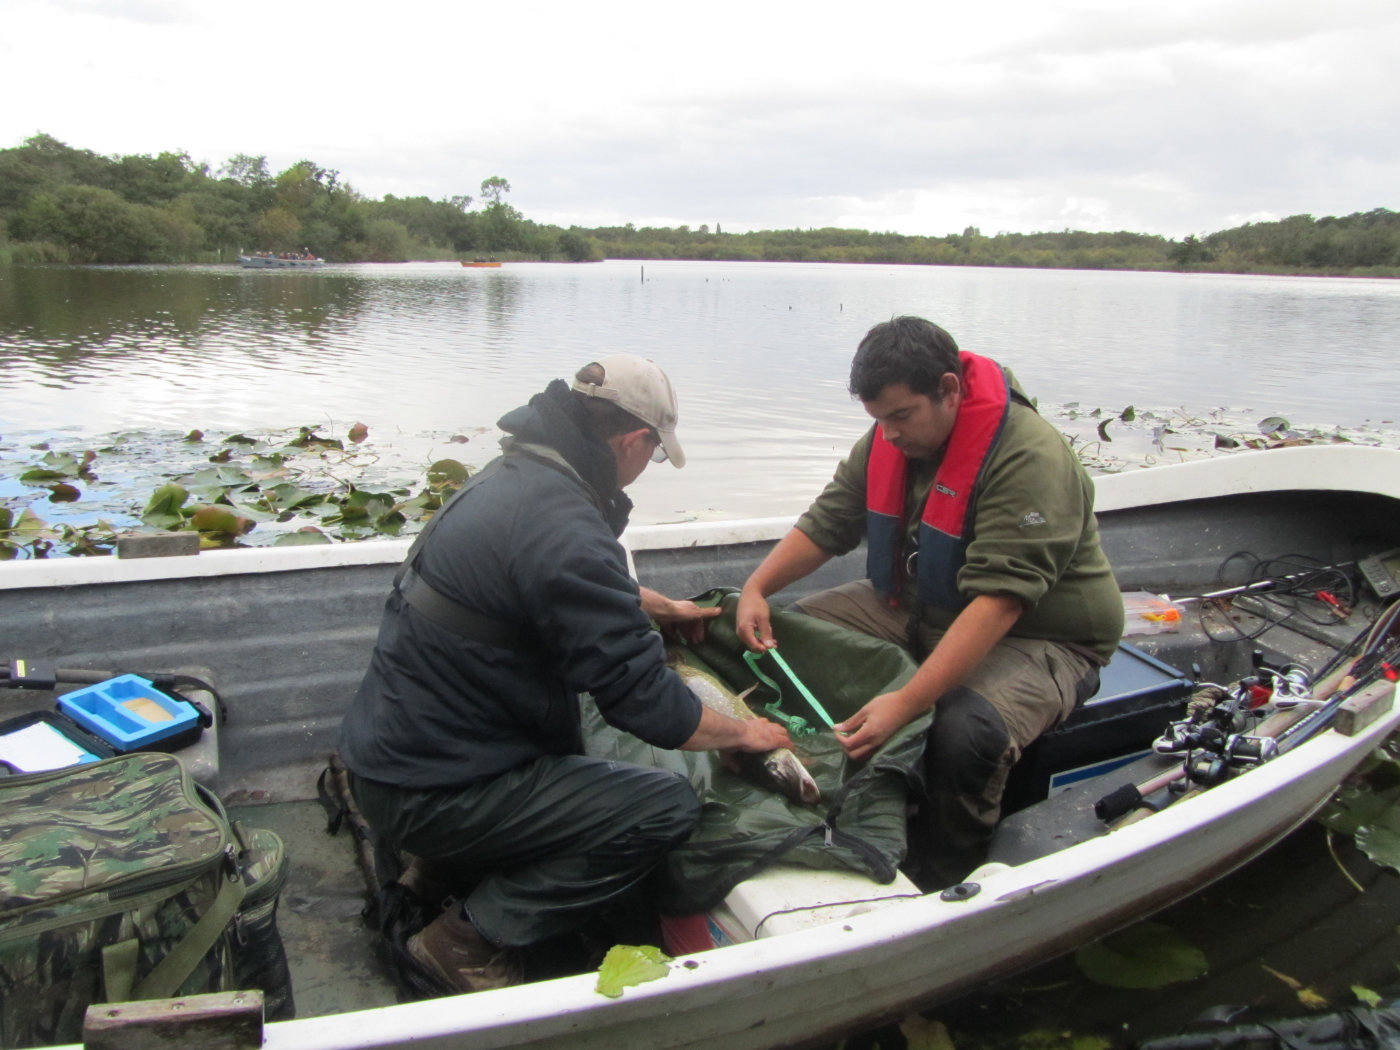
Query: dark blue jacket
[529, 546]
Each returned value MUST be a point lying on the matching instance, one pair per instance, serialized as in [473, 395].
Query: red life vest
[943, 539]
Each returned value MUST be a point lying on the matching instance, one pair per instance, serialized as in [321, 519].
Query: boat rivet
[961, 892]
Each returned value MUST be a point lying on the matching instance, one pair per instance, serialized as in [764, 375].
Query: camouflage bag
[119, 880]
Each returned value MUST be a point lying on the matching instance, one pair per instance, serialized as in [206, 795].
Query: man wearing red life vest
[983, 559]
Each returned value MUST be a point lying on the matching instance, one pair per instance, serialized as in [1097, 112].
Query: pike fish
[779, 769]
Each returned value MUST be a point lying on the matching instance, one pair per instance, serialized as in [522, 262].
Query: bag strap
[446, 612]
[119, 960]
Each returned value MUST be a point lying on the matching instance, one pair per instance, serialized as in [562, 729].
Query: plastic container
[1147, 613]
[131, 714]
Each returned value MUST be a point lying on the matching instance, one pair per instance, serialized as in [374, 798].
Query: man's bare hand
[683, 618]
[866, 731]
[761, 735]
[751, 620]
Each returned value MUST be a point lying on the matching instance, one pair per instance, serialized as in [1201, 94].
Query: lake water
[759, 353]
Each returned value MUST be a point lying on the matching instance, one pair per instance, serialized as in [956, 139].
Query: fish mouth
[796, 783]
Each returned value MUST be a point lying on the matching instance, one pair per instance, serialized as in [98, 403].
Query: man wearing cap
[983, 559]
[464, 740]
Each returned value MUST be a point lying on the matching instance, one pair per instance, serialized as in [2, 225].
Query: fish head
[792, 777]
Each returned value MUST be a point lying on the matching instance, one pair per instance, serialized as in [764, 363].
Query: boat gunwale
[724, 975]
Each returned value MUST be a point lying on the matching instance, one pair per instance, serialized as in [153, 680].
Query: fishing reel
[1215, 742]
[1208, 767]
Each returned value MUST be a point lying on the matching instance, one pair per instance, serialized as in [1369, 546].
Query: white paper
[40, 746]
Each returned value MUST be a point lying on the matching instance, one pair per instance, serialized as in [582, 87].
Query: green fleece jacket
[1033, 534]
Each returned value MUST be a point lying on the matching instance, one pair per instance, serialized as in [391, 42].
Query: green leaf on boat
[1148, 955]
[628, 965]
[163, 509]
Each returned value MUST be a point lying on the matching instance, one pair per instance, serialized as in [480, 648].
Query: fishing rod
[1214, 739]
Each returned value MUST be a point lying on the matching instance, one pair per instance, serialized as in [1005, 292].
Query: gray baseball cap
[641, 388]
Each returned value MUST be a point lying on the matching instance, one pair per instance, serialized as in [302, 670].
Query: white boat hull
[862, 969]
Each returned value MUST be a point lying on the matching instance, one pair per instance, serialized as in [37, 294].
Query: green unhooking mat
[859, 824]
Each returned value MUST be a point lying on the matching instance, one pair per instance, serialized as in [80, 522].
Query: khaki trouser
[1022, 688]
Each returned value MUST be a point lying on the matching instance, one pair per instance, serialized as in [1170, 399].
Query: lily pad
[628, 965]
[163, 508]
[1368, 808]
[1148, 955]
[920, 1033]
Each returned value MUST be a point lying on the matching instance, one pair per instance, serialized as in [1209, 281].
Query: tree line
[61, 204]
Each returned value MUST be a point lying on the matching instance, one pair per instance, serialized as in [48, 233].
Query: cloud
[1004, 115]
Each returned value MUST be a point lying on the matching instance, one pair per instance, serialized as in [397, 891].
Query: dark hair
[906, 350]
[604, 418]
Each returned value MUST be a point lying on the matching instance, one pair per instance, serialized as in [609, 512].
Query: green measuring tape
[795, 724]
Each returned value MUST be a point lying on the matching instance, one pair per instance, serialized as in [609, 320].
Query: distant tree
[494, 188]
[278, 229]
[577, 247]
[246, 170]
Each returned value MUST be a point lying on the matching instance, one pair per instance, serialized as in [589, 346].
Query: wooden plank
[1355, 713]
[219, 1021]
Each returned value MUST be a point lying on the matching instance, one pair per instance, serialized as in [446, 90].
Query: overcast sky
[921, 118]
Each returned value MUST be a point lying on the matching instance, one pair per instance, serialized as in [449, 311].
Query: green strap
[752, 658]
[119, 970]
[172, 971]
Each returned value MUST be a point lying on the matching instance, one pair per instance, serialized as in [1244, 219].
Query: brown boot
[450, 949]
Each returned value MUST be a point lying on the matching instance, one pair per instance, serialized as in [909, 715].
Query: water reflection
[759, 352]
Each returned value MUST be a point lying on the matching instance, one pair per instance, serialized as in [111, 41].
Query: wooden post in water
[644, 275]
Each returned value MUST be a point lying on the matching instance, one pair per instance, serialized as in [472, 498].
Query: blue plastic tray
[128, 712]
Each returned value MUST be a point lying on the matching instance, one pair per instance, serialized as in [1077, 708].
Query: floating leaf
[219, 520]
[358, 433]
[195, 435]
[221, 456]
[64, 493]
[1309, 998]
[1368, 808]
[1273, 425]
[163, 509]
[1365, 995]
[920, 1033]
[1103, 430]
[240, 439]
[447, 472]
[1148, 955]
[1128, 414]
[627, 965]
[301, 538]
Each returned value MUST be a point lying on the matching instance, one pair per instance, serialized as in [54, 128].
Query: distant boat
[480, 262]
[278, 260]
